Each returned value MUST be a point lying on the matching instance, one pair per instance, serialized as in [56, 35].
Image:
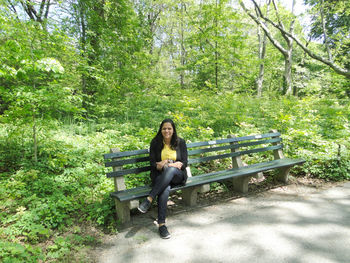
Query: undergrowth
[41, 202]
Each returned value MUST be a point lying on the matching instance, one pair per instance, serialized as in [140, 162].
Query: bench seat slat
[245, 170]
[143, 191]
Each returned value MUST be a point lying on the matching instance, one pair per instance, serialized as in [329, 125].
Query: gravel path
[293, 223]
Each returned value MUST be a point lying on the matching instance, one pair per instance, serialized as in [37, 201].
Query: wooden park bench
[262, 153]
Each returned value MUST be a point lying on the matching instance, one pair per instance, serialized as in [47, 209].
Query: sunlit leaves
[49, 65]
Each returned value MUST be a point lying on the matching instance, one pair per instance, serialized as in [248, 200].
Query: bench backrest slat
[232, 146]
[231, 140]
[198, 151]
[129, 171]
[125, 154]
[122, 162]
[197, 160]
[195, 144]
[127, 161]
[233, 154]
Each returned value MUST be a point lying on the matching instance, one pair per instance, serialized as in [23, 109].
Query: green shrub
[17, 253]
[68, 184]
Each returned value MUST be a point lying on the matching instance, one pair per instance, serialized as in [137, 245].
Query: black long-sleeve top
[155, 156]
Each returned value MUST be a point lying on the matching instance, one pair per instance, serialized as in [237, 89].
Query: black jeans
[170, 177]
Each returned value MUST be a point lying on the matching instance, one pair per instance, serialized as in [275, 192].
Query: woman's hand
[177, 165]
[161, 164]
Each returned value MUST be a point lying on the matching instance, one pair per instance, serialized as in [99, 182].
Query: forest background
[79, 77]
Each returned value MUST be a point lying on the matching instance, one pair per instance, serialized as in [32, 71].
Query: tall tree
[286, 52]
[38, 11]
[90, 19]
[331, 24]
[150, 13]
[112, 45]
[182, 49]
[173, 39]
[215, 38]
[338, 66]
[32, 78]
[262, 51]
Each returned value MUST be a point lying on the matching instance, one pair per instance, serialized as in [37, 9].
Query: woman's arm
[153, 155]
[177, 164]
[184, 155]
[161, 164]
[155, 163]
[181, 163]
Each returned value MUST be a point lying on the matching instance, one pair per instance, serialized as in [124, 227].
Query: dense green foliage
[86, 76]
[68, 186]
[335, 24]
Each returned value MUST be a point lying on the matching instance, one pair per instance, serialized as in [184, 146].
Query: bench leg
[283, 173]
[189, 195]
[134, 204]
[259, 176]
[241, 184]
[204, 188]
[123, 211]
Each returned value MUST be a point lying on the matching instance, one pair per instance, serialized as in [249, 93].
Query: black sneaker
[144, 206]
[163, 232]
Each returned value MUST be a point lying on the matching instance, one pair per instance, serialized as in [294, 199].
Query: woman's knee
[171, 171]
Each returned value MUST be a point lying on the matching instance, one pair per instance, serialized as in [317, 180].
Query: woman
[168, 158]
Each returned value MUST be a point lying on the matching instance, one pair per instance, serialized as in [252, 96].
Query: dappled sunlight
[275, 227]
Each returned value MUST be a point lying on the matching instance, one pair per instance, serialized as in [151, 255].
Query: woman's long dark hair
[158, 139]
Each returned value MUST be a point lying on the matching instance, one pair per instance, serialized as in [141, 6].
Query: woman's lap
[170, 176]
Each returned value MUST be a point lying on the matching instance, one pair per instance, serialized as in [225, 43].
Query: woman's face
[167, 131]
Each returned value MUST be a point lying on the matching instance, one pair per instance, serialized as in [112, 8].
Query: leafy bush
[16, 253]
[68, 186]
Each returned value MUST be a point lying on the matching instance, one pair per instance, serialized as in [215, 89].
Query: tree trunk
[83, 40]
[338, 69]
[40, 15]
[216, 67]
[262, 51]
[326, 40]
[182, 51]
[260, 79]
[216, 48]
[35, 143]
[287, 77]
